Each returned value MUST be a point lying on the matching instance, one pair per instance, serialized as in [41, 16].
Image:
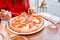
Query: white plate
[26, 33]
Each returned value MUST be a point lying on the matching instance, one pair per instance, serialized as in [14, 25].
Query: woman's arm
[27, 1]
[27, 4]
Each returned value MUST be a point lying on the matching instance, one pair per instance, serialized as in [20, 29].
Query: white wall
[53, 7]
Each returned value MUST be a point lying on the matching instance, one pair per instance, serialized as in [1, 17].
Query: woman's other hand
[30, 11]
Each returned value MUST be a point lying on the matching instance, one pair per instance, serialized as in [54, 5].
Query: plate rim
[39, 29]
[33, 32]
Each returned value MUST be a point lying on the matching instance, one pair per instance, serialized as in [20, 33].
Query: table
[47, 33]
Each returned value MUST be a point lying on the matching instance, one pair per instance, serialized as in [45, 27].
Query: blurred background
[53, 6]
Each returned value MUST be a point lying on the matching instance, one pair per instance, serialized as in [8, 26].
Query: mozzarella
[33, 27]
[25, 27]
[36, 20]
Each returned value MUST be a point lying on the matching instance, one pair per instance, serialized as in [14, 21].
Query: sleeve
[28, 4]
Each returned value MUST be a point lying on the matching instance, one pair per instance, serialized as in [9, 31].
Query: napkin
[49, 18]
[53, 17]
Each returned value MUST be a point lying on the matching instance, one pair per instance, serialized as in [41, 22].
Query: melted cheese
[36, 20]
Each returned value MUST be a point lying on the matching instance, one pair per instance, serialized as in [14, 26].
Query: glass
[40, 6]
[52, 28]
[1, 37]
[44, 9]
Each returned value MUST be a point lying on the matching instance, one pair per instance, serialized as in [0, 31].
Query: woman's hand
[5, 15]
[30, 11]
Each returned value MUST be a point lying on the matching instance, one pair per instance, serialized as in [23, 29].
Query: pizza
[25, 23]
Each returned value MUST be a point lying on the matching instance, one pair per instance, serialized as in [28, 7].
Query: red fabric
[17, 8]
[2, 4]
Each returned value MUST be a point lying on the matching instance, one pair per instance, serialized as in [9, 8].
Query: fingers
[6, 12]
[30, 11]
[5, 15]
